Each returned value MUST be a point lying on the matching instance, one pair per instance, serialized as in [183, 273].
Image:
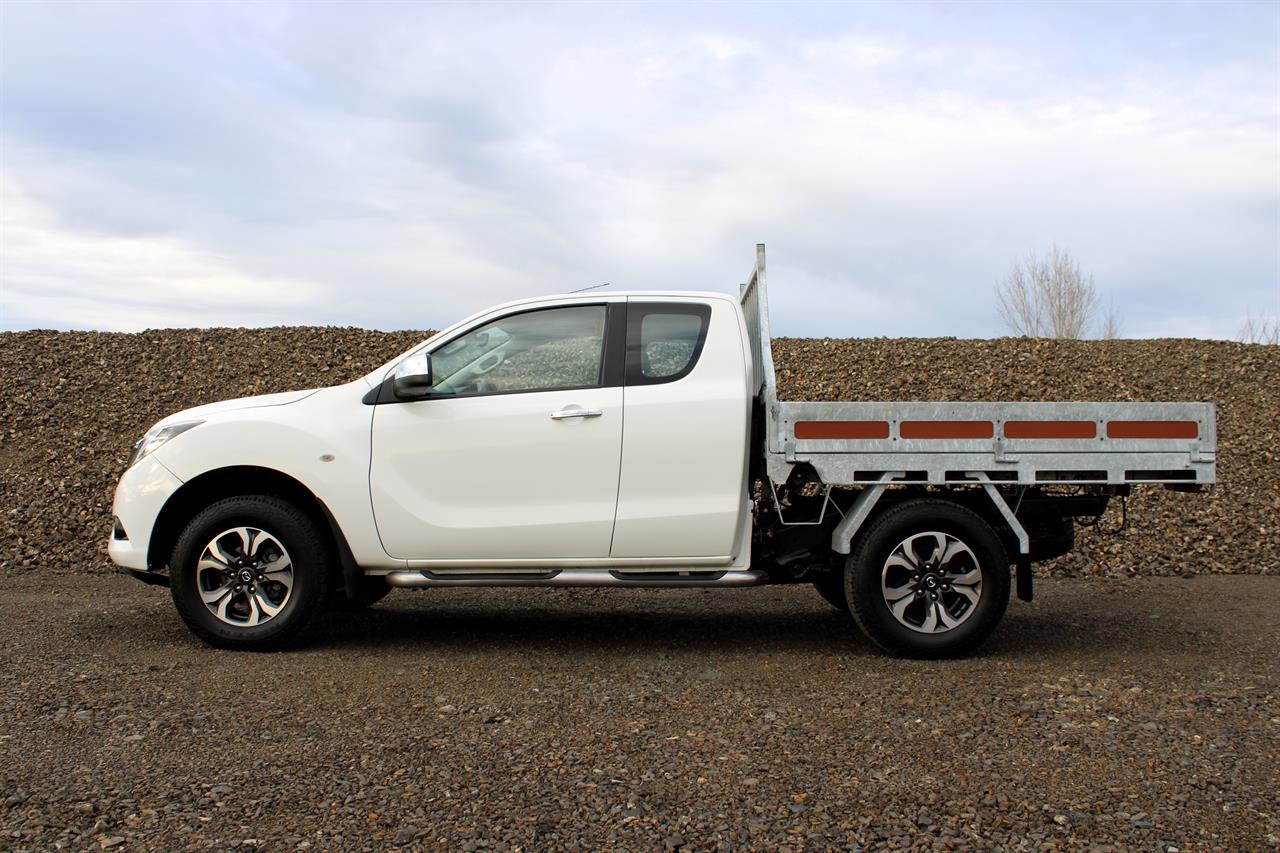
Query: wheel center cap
[246, 576]
[931, 581]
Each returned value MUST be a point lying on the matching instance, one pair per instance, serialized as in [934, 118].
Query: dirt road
[1138, 713]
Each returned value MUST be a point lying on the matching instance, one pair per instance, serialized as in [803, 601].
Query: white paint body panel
[495, 477]
[140, 495]
[293, 439]
[684, 455]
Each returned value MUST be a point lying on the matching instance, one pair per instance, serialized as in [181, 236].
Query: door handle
[576, 413]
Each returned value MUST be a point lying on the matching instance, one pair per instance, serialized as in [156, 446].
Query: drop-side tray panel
[1011, 442]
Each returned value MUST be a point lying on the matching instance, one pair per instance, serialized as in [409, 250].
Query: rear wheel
[928, 579]
[250, 573]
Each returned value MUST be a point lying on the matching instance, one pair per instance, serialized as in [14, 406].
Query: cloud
[400, 166]
[96, 281]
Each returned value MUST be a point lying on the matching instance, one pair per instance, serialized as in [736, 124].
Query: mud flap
[1023, 563]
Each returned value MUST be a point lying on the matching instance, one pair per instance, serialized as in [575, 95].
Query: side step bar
[580, 577]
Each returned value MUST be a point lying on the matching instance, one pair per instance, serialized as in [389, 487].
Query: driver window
[551, 349]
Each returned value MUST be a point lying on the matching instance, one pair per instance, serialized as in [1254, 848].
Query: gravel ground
[1137, 714]
[71, 404]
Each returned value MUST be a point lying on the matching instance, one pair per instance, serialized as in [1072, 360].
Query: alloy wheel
[931, 582]
[244, 576]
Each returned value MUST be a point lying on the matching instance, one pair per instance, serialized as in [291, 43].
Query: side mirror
[412, 377]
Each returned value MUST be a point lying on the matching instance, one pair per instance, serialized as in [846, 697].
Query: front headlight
[157, 436]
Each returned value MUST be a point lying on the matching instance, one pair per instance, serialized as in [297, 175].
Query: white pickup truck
[634, 440]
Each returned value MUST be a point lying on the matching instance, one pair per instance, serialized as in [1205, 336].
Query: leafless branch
[1261, 329]
[1111, 326]
[1050, 297]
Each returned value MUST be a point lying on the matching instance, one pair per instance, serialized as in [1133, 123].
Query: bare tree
[1261, 330]
[1050, 297]
[1110, 326]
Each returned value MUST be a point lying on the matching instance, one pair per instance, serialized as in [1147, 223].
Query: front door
[515, 455]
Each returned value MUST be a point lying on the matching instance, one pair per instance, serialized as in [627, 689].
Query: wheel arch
[231, 481]
[974, 500]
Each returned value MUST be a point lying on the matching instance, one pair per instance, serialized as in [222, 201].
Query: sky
[401, 165]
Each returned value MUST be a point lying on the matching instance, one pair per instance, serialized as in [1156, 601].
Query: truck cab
[558, 428]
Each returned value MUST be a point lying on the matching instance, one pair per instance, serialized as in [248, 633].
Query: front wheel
[928, 579]
[250, 573]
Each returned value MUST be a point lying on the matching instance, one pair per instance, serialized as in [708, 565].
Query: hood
[284, 398]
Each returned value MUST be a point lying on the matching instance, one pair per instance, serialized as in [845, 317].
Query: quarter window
[664, 341]
[547, 350]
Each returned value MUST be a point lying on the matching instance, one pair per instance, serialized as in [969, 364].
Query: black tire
[310, 558]
[894, 528]
[831, 587]
[370, 592]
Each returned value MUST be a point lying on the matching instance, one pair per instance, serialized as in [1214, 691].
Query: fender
[333, 462]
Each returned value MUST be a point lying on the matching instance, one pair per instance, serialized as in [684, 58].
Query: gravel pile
[72, 403]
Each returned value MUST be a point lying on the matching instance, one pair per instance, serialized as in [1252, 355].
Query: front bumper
[141, 493]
